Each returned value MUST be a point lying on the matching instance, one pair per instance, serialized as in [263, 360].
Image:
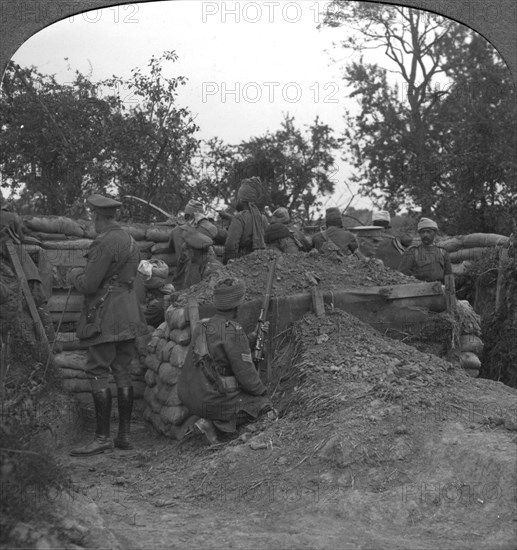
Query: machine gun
[258, 351]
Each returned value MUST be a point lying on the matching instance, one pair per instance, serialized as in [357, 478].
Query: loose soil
[377, 446]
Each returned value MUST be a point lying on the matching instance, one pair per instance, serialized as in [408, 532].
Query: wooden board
[40, 329]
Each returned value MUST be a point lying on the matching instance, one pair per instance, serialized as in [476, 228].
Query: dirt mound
[377, 446]
[296, 273]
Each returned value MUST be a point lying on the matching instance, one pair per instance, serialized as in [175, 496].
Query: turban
[280, 215]
[333, 217]
[276, 231]
[381, 218]
[426, 223]
[251, 190]
[229, 293]
[194, 207]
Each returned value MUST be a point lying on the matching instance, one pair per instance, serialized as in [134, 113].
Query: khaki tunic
[121, 317]
[229, 347]
[239, 240]
[427, 263]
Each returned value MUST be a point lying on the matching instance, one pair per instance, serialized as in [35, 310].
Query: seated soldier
[335, 233]
[219, 381]
[277, 236]
[281, 216]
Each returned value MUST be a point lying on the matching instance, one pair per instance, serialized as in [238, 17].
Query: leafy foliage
[295, 166]
[417, 142]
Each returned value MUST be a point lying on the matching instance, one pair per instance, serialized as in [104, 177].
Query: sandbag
[76, 244]
[471, 254]
[176, 318]
[168, 374]
[472, 343]
[150, 379]
[145, 246]
[177, 356]
[165, 351]
[181, 336]
[159, 348]
[48, 236]
[158, 234]
[168, 395]
[55, 224]
[137, 231]
[469, 360]
[159, 332]
[88, 228]
[153, 342]
[160, 248]
[71, 360]
[452, 244]
[174, 414]
[152, 362]
[477, 240]
[72, 373]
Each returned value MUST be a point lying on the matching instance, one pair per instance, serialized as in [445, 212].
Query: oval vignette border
[495, 20]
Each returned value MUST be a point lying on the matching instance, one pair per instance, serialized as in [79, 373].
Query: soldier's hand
[265, 327]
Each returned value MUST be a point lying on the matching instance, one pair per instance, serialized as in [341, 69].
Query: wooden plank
[58, 300]
[395, 292]
[318, 304]
[40, 329]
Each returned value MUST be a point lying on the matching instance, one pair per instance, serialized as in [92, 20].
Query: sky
[247, 63]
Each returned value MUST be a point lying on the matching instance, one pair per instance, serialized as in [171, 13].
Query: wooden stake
[41, 335]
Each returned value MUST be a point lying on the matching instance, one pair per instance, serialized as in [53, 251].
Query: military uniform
[345, 240]
[230, 350]
[427, 263]
[191, 263]
[279, 237]
[112, 308]
[111, 268]
[239, 240]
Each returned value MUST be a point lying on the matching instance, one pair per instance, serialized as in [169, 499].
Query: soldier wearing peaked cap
[426, 261]
[110, 322]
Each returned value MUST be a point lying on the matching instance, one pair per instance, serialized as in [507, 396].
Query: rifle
[258, 352]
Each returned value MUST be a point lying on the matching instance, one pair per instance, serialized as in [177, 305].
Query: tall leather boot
[102, 440]
[125, 408]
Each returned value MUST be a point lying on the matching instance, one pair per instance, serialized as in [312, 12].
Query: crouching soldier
[110, 322]
[219, 382]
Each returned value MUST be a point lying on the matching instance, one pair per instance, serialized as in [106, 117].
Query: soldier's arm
[238, 351]
[231, 245]
[90, 279]
[406, 264]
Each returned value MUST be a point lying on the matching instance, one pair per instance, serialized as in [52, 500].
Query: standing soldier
[110, 322]
[426, 261]
[247, 228]
[219, 382]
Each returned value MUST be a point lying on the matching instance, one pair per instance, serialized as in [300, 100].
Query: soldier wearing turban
[247, 228]
[335, 233]
[426, 261]
[219, 381]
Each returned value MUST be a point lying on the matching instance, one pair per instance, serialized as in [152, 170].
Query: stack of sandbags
[471, 345]
[167, 350]
[72, 369]
[465, 249]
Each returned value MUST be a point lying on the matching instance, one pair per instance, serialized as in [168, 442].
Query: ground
[377, 445]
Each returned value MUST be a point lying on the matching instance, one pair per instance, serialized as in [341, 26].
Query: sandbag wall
[471, 345]
[465, 249]
[64, 243]
[167, 350]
